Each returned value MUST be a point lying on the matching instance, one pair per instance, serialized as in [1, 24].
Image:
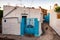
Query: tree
[57, 9]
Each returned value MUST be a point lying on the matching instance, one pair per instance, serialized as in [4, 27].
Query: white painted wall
[7, 9]
[12, 26]
[54, 22]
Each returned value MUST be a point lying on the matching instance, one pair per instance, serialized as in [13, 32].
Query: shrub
[57, 9]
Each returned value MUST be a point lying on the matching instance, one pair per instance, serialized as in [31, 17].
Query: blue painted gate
[47, 18]
[30, 26]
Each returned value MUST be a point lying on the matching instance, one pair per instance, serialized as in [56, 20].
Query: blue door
[29, 28]
[23, 24]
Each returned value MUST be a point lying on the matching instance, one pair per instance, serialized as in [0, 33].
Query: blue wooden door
[29, 28]
[23, 24]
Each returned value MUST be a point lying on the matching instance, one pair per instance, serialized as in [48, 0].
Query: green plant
[57, 9]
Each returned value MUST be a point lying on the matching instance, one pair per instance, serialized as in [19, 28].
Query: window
[4, 20]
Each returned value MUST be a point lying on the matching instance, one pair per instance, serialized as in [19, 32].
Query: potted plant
[57, 10]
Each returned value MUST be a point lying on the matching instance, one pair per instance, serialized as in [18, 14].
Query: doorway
[23, 24]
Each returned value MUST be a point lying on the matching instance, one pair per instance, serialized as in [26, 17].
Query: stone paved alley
[48, 33]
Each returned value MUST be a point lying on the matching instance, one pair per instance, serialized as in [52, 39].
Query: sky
[30, 3]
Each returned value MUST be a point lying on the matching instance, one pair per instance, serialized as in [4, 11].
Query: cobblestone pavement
[48, 34]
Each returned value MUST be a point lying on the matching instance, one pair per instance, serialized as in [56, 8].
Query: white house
[12, 18]
[54, 21]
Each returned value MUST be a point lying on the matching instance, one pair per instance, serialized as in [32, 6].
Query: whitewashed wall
[54, 22]
[12, 25]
